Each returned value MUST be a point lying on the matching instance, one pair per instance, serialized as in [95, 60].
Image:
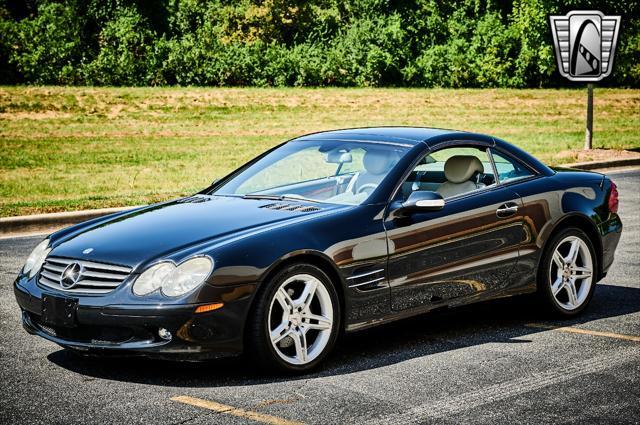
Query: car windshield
[332, 171]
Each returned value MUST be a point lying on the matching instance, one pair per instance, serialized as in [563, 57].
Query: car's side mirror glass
[423, 200]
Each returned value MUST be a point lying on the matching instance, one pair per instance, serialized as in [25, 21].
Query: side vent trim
[280, 206]
[195, 199]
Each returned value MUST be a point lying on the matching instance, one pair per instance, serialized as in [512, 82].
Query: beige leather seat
[459, 170]
[376, 165]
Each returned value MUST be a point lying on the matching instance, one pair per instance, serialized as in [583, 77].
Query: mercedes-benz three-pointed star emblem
[71, 275]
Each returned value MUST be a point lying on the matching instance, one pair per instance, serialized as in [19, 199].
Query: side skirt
[404, 314]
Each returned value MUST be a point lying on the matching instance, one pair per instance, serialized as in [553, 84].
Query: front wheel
[296, 320]
[568, 273]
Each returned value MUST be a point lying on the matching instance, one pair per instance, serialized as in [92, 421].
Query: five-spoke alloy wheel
[570, 268]
[296, 320]
[300, 319]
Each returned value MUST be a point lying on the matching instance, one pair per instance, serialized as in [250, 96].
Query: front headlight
[36, 258]
[172, 280]
[152, 278]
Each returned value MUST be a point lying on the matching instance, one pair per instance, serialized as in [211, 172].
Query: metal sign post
[588, 139]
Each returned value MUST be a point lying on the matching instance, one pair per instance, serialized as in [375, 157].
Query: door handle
[507, 210]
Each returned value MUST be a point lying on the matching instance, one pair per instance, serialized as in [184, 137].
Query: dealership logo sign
[585, 42]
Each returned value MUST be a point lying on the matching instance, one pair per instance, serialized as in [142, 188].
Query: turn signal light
[209, 307]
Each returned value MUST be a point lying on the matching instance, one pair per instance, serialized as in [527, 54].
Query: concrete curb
[604, 164]
[42, 223]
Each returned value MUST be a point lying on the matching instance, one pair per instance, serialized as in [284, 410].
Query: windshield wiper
[271, 197]
[280, 197]
[300, 198]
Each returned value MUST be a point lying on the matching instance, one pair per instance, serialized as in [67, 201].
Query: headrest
[378, 161]
[460, 168]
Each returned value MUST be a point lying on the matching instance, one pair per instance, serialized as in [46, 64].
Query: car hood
[159, 230]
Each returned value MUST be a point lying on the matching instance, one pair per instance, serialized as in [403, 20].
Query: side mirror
[423, 200]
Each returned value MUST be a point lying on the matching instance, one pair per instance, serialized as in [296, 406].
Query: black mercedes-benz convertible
[329, 232]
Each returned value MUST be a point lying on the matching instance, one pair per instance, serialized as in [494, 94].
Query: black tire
[258, 342]
[545, 295]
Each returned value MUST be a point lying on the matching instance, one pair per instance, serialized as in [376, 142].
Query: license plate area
[59, 311]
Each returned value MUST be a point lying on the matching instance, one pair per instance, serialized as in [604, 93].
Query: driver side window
[451, 172]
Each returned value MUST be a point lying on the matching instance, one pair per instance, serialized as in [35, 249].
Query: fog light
[164, 334]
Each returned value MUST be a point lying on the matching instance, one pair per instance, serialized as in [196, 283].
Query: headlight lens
[174, 281]
[152, 278]
[187, 276]
[36, 258]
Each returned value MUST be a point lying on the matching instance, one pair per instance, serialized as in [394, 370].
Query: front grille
[95, 278]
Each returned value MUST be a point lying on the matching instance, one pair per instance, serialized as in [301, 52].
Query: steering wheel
[366, 186]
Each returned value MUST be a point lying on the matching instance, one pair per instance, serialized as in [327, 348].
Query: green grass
[75, 148]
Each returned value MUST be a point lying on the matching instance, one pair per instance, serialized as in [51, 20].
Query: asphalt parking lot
[498, 362]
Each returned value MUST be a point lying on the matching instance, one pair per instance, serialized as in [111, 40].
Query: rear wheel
[296, 320]
[568, 273]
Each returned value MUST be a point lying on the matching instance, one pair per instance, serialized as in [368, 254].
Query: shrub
[126, 51]
[459, 43]
[46, 49]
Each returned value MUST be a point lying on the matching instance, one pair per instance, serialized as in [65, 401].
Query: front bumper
[134, 329]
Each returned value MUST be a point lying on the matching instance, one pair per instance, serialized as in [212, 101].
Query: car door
[464, 250]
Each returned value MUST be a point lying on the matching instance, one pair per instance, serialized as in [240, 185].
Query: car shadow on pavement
[499, 321]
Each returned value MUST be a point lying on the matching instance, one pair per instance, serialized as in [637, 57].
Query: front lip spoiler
[31, 328]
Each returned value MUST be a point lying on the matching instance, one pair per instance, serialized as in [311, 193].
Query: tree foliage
[423, 43]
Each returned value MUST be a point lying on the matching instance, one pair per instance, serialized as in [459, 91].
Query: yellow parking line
[234, 411]
[584, 332]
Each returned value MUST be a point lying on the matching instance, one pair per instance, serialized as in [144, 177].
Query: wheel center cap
[295, 320]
